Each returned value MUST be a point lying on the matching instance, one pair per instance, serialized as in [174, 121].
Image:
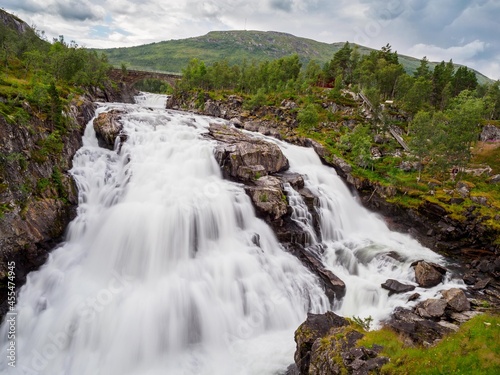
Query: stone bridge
[130, 77]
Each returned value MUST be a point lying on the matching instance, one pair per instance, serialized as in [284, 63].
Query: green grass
[474, 349]
[487, 153]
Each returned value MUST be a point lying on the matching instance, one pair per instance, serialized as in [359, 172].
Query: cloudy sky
[466, 31]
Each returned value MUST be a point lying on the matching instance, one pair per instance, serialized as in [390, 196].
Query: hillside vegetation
[38, 82]
[235, 47]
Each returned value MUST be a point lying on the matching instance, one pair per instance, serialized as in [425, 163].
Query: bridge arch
[131, 77]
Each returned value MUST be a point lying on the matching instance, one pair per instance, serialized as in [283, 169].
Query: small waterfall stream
[167, 270]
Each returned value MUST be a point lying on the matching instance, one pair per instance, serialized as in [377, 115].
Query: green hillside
[235, 47]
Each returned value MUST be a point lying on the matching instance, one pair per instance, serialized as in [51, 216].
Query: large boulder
[268, 197]
[428, 274]
[417, 329]
[240, 154]
[394, 287]
[432, 308]
[107, 127]
[456, 299]
[327, 345]
[334, 287]
[212, 109]
[315, 327]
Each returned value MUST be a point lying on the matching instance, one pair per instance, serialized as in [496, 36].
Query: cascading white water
[301, 215]
[166, 269]
[358, 246]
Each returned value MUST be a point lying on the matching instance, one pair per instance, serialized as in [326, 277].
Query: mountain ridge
[237, 46]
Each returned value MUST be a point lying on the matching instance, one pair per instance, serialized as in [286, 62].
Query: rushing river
[162, 273]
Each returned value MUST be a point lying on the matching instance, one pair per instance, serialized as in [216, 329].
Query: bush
[308, 117]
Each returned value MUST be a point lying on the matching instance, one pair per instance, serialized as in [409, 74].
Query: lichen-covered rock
[456, 299]
[107, 127]
[490, 133]
[37, 196]
[237, 151]
[315, 327]
[428, 274]
[268, 197]
[327, 345]
[432, 308]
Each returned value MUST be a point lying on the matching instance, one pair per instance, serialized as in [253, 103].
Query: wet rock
[292, 370]
[236, 122]
[107, 127]
[414, 297]
[456, 299]
[294, 179]
[341, 164]
[481, 284]
[316, 326]
[394, 286]
[428, 274]
[334, 287]
[432, 308]
[268, 197]
[469, 278]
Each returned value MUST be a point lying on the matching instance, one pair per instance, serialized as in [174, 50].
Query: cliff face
[37, 196]
[13, 22]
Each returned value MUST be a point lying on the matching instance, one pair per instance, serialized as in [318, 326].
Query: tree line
[443, 106]
[47, 72]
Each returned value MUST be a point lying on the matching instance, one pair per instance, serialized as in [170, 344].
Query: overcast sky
[467, 31]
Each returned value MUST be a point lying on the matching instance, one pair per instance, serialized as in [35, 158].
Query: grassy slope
[474, 349]
[235, 46]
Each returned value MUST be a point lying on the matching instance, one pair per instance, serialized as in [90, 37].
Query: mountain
[235, 47]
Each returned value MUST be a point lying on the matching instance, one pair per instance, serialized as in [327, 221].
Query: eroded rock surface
[107, 127]
[37, 196]
[327, 345]
[428, 274]
[239, 153]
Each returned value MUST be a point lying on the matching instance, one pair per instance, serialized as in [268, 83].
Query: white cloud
[457, 53]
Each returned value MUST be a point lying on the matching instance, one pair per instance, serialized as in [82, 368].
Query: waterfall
[358, 246]
[167, 270]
